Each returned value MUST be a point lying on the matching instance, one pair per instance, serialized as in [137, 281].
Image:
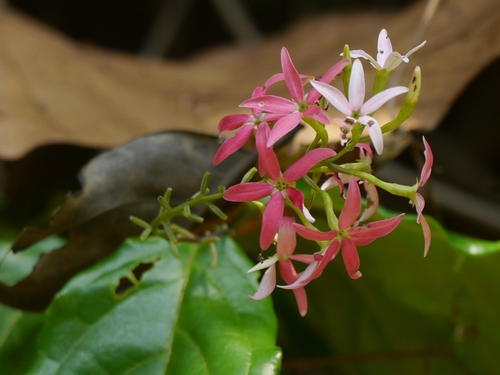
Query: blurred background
[462, 194]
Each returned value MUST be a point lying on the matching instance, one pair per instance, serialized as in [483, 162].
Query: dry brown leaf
[56, 91]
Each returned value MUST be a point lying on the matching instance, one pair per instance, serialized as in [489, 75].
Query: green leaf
[16, 266]
[407, 314]
[18, 338]
[143, 311]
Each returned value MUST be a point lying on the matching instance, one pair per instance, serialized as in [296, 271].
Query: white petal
[416, 48]
[357, 53]
[374, 131]
[381, 98]
[357, 86]
[307, 214]
[267, 284]
[394, 60]
[384, 47]
[264, 264]
[334, 96]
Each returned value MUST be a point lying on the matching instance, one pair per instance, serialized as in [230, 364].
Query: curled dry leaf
[95, 98]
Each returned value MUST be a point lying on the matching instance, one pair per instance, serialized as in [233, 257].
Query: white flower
[354, 108]
[386, 58]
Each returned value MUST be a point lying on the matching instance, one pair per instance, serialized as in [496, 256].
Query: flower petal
[264, 264]
[287, 240]
[427, 234]
[268, 161]
[297, 198]
[270, 103]
[334, 96]
[376, 229]
[335, 70]
[352, 206]
[372, 201]
[317, 113]
[301, 298]
[298, 169]
[357, 53]
[271, 220]
[233, 122]
[313, 234]
[231, 145]
[381, 98]
[248, 191]
[304, 277]
[292, 78]
[384, 47]
[357, 86]
[375, 132]
[415, 49]
[283, 126]
[394, 60]
[429, 160]
[351, 258]
[267, 284]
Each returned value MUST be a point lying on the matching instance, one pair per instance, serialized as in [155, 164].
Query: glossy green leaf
[406, 315]
[143, 311]
[18, 338]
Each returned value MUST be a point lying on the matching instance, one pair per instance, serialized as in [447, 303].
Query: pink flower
[278, 186]
[419, 200]
[345, 238]
[245, 125]
[292, 111]
[286, 245]
[354, 108]
[339, 179]
[386, 58]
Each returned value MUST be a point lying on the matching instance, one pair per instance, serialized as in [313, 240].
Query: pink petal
[317, 113]
[384, 47]
[231, 145]
[335, 70]
[292, 78]
[374, 131]
[375, 229]
[271, 220]
[381, 98]
[330, 254]
[297, 198]
[280, 77]
[267, 284]
[419, 205]
[429, 160]
[304, 277]
[298, 169]
[372, 201]
[351, 258]
[352, 206]
[301, 298]
[357, 86]
[315, 235]
[248, 191]
[427, 234]
[334, 96]
[268, 161]
[270, 103]
[287, 271]
[283, 126]
[233, 122]
[303, 258]
[287, 240]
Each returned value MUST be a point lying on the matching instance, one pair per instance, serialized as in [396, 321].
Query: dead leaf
[56, 91]
[116, 184]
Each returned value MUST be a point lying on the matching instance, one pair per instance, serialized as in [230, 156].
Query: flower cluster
[285, 212]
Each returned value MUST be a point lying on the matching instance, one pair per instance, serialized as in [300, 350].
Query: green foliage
[407, 314]
[144, 311]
